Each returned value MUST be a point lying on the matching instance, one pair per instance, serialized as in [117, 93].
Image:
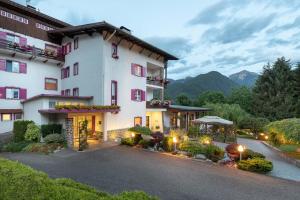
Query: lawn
[290, 150]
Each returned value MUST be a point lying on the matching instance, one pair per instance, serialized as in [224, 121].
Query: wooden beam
[157, 57]
[150, 54]
[13, 55]
[131, 46]
[105, 36]
[45, 61]
[141, 51]
[119, 41]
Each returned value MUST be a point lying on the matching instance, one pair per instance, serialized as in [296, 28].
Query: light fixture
[132, 134]
[266, 137]
[241, 149]
[174, 141]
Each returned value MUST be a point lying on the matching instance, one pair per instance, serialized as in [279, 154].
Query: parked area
[119, 168]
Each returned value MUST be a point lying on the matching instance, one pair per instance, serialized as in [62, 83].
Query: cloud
[175, 45]
[277, 42]
[75, 18]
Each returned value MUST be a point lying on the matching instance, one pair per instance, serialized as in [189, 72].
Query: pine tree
[297, 90]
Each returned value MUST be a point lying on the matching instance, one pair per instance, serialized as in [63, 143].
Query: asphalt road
[119, 168]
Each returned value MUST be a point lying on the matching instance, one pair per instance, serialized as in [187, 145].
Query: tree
[273, 92]
[241, 96]
[297, 90]
[256, 125]
[210, 97]
[183, 100]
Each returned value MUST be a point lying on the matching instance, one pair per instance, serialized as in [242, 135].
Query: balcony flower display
[86, 107]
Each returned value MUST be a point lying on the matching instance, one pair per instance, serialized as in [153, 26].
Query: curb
[282, 155]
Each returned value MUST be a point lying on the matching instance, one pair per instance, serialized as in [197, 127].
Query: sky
[207, 35]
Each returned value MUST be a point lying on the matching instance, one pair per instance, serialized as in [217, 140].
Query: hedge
[256, 165]
[19, 129]
[141, 130]
[48, 129]
[18, 181]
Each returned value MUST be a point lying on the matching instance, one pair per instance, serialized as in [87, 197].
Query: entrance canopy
[213, 120]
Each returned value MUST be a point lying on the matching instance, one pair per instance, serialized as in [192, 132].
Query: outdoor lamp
[174, 141]
[266, 137]
[132, 134]
[241, 149]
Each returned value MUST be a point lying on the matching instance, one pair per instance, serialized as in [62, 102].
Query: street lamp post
[174, 141]
[241, 149]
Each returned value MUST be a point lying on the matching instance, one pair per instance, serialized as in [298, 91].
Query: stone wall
[114, 135]
[69, 132]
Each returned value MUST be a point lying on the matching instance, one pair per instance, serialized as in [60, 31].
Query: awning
[179, 108]
[65, 111]
[212, 120]
[11, 110]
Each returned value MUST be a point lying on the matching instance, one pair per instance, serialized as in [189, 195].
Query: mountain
[244, 78]
[193, 86]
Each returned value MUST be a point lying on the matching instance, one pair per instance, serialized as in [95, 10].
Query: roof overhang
[66, 111]
[54, 96]
[104, 26]
[11, 111]
[179, 108]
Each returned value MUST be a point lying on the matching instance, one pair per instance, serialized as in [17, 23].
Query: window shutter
[59, 51]
[2, 35]
[2, 64]
[133, 69]
[23, 93]
[62, 92]
[143, 95]
[62, 73]
[23, 68]
[23, 42]
[69, 47]
[64, 49]
[2, 93]
[133, 94]
[144, 71]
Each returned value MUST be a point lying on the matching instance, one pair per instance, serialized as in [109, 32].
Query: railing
[155, 81]
[156, 103]
[31, 50]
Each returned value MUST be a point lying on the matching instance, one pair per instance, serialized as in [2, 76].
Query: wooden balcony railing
[32, 51]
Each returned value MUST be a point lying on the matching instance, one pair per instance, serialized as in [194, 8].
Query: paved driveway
[119, 168]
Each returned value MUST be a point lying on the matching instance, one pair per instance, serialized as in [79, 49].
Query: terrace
[50, 54]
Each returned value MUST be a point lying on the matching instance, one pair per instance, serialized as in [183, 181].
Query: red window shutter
[2, 64]
[2, 93]
[2, 35]
[69, 47]
[59, 51]
[143, 71]
[23, 93]
[62, 92]
[133, 94]
[143, 95]
[23, 42]
[63, 49]
[133, 69]
[23, 68]
[62, 73]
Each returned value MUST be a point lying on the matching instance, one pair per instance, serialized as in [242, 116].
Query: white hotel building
[45, 62]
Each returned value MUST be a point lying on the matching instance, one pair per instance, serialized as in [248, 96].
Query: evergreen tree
[183, 100]
[297, 90]
[273, 92]
[210, 97]
[241, 96]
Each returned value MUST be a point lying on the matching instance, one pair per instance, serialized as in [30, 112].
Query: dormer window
[114, 51]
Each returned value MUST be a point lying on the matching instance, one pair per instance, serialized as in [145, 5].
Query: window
[67, 72]
[18, 116]
[50, 84]
[13, 38]
[137, 95]
[138, 121]
[76, 92]
[137, 70]
[114, 51]
[67, 92]
[75, 69]
[114, 92]
[15, 67]
[67, 48]
[6, 117]
[43, 27]
[52, 104]
[9, 66]
[12, 93]
[148, 121]
[14, 17]
[76, 43]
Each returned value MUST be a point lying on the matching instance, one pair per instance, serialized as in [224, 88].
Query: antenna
[27, 2]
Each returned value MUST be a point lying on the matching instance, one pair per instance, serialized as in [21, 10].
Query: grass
[290, 150]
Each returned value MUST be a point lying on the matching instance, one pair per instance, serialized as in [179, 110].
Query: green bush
[193, 131]
[289, 129]
[213, 152]
[205, 139]
[256, 165]
[33, 133]
[277, 139]
[18, 181]
[193, 148]
[48, 129]
[42, 147]
[19, 129]
[145, 143]
[127, 141]
[54, 138]
[167, 144]
[15, 146]
[141, 130]
[249, 154]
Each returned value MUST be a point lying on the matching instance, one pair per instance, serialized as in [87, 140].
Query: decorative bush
[277, 138]
[47, 129]
[141, 130]
[86, 107]
[33, 133]
[42, 147]
[167, 144]
[193, 148]
[19, 129]
[249, 154]
[193, 131]
[179, 133]
[256, 165]
[127, 141]
[144, 143]
[54, 138]
[205, 139]
[15, 146]
[18, 181]
[213, 153]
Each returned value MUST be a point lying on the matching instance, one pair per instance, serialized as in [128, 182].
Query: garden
[28, 137]
[201, 147]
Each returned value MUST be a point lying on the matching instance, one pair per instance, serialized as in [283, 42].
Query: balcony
[156, 103]
[30, 52]
[156, 81]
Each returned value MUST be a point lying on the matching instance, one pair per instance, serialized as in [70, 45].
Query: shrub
[277, 138]
[205, 139]
[32, 133]
[167, 144]
[41, 147]
[141, 130]
[193, 148]
[48, 129]
[193, 131]
[54, 138]
[127, 141]
[249, 154]
[15, 146]
[18, 181]
[144, 143]
[213, 153]
[256, 165]
[19, 129]
[179, 133]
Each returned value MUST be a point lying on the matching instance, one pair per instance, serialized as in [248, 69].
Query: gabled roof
[104, 26]
[32, 13]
